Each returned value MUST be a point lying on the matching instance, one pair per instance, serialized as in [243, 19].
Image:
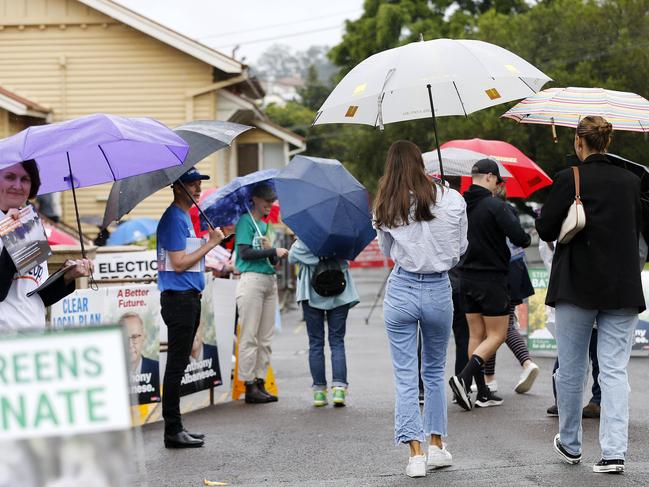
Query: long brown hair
[404, 178]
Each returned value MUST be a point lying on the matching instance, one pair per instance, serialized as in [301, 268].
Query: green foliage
[314, 93]
[588, 43]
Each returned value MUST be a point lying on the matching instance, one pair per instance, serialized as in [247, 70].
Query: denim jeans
[412, 302]
[615, 332]
[315, 327]
[596, 398]
[181, 313]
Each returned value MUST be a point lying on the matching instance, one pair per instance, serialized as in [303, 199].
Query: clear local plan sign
[62, 384]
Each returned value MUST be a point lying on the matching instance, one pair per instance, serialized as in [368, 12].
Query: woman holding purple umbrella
[18, 184]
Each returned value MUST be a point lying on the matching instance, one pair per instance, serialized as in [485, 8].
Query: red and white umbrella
[525, 176]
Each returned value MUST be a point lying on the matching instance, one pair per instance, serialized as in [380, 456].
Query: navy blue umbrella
[326, 207]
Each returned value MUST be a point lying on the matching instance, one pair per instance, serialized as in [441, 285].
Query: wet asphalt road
[291, 443]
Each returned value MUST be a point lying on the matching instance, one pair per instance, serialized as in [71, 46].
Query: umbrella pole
[196, 204]
[76, 207]
[432, 109]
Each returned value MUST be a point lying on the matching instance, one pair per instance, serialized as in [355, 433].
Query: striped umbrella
[567, 106]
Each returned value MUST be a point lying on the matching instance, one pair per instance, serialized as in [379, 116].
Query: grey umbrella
[204, 138]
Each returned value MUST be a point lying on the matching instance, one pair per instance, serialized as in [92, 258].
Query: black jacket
[490, 222]
[600, 267]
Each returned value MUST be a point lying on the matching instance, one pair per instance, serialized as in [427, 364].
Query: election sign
[641, 342]
[137, 310]
[371, 256]
[539, 337]
[126, 265]
[64, 410]
[63, 384]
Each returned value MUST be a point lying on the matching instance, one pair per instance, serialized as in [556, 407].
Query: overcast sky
[254, 25]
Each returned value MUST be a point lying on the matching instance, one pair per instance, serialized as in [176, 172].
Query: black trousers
[460, 334]
[181, 313]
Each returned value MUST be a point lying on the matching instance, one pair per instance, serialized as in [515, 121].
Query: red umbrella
[194, 215]
[56, 237]
[527, 178]
[273, 216]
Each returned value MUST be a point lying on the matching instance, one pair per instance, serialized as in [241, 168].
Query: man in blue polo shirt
[181, 279]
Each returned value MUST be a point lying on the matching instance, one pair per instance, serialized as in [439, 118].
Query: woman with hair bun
[595, 278]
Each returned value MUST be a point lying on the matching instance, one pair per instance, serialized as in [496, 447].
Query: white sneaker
[492, 386]
[439, 457]
[527, 379]
[416, 466]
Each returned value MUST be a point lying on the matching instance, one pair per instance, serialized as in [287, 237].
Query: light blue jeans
[615, 332]
[413, 301]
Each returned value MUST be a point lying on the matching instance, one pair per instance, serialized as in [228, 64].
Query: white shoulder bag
[575, 221]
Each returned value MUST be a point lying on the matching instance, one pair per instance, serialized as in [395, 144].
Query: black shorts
[487, 295]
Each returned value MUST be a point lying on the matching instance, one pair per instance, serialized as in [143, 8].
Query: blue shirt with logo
[174, 228]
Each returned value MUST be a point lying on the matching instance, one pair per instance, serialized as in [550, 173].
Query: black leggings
[514, 341]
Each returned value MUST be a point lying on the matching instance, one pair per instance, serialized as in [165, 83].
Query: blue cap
[192, 175]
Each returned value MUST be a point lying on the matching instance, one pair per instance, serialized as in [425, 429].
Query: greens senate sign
[65, 383]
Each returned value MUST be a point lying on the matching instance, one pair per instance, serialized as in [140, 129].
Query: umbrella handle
[76, 207]
[439, 152]
[196, 204]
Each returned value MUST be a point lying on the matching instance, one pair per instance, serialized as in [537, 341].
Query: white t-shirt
[17, 310]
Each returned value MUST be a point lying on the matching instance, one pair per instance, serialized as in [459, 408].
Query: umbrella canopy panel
[527, 176]
[132, 231]
[457, 162]
[567, 106]
[465, 76]
[204, 138]
[226, 205]
[99, 149]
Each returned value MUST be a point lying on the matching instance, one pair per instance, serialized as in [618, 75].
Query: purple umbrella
[92, 150]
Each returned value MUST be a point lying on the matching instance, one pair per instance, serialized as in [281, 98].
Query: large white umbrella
[434, 78]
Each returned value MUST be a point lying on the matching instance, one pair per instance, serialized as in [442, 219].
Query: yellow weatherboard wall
[76, 61]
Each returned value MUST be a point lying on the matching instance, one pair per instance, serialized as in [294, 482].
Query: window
[247, 158]
[253, 157]
[274, 156]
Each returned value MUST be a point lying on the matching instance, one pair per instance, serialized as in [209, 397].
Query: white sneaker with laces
[529, 375]
[492, 386]
[416, 466]
[439, 457]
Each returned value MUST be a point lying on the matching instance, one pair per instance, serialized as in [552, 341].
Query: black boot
[262, 387]
[254, 395]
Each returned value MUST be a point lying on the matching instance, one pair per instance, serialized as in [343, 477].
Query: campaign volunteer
[181, 280]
